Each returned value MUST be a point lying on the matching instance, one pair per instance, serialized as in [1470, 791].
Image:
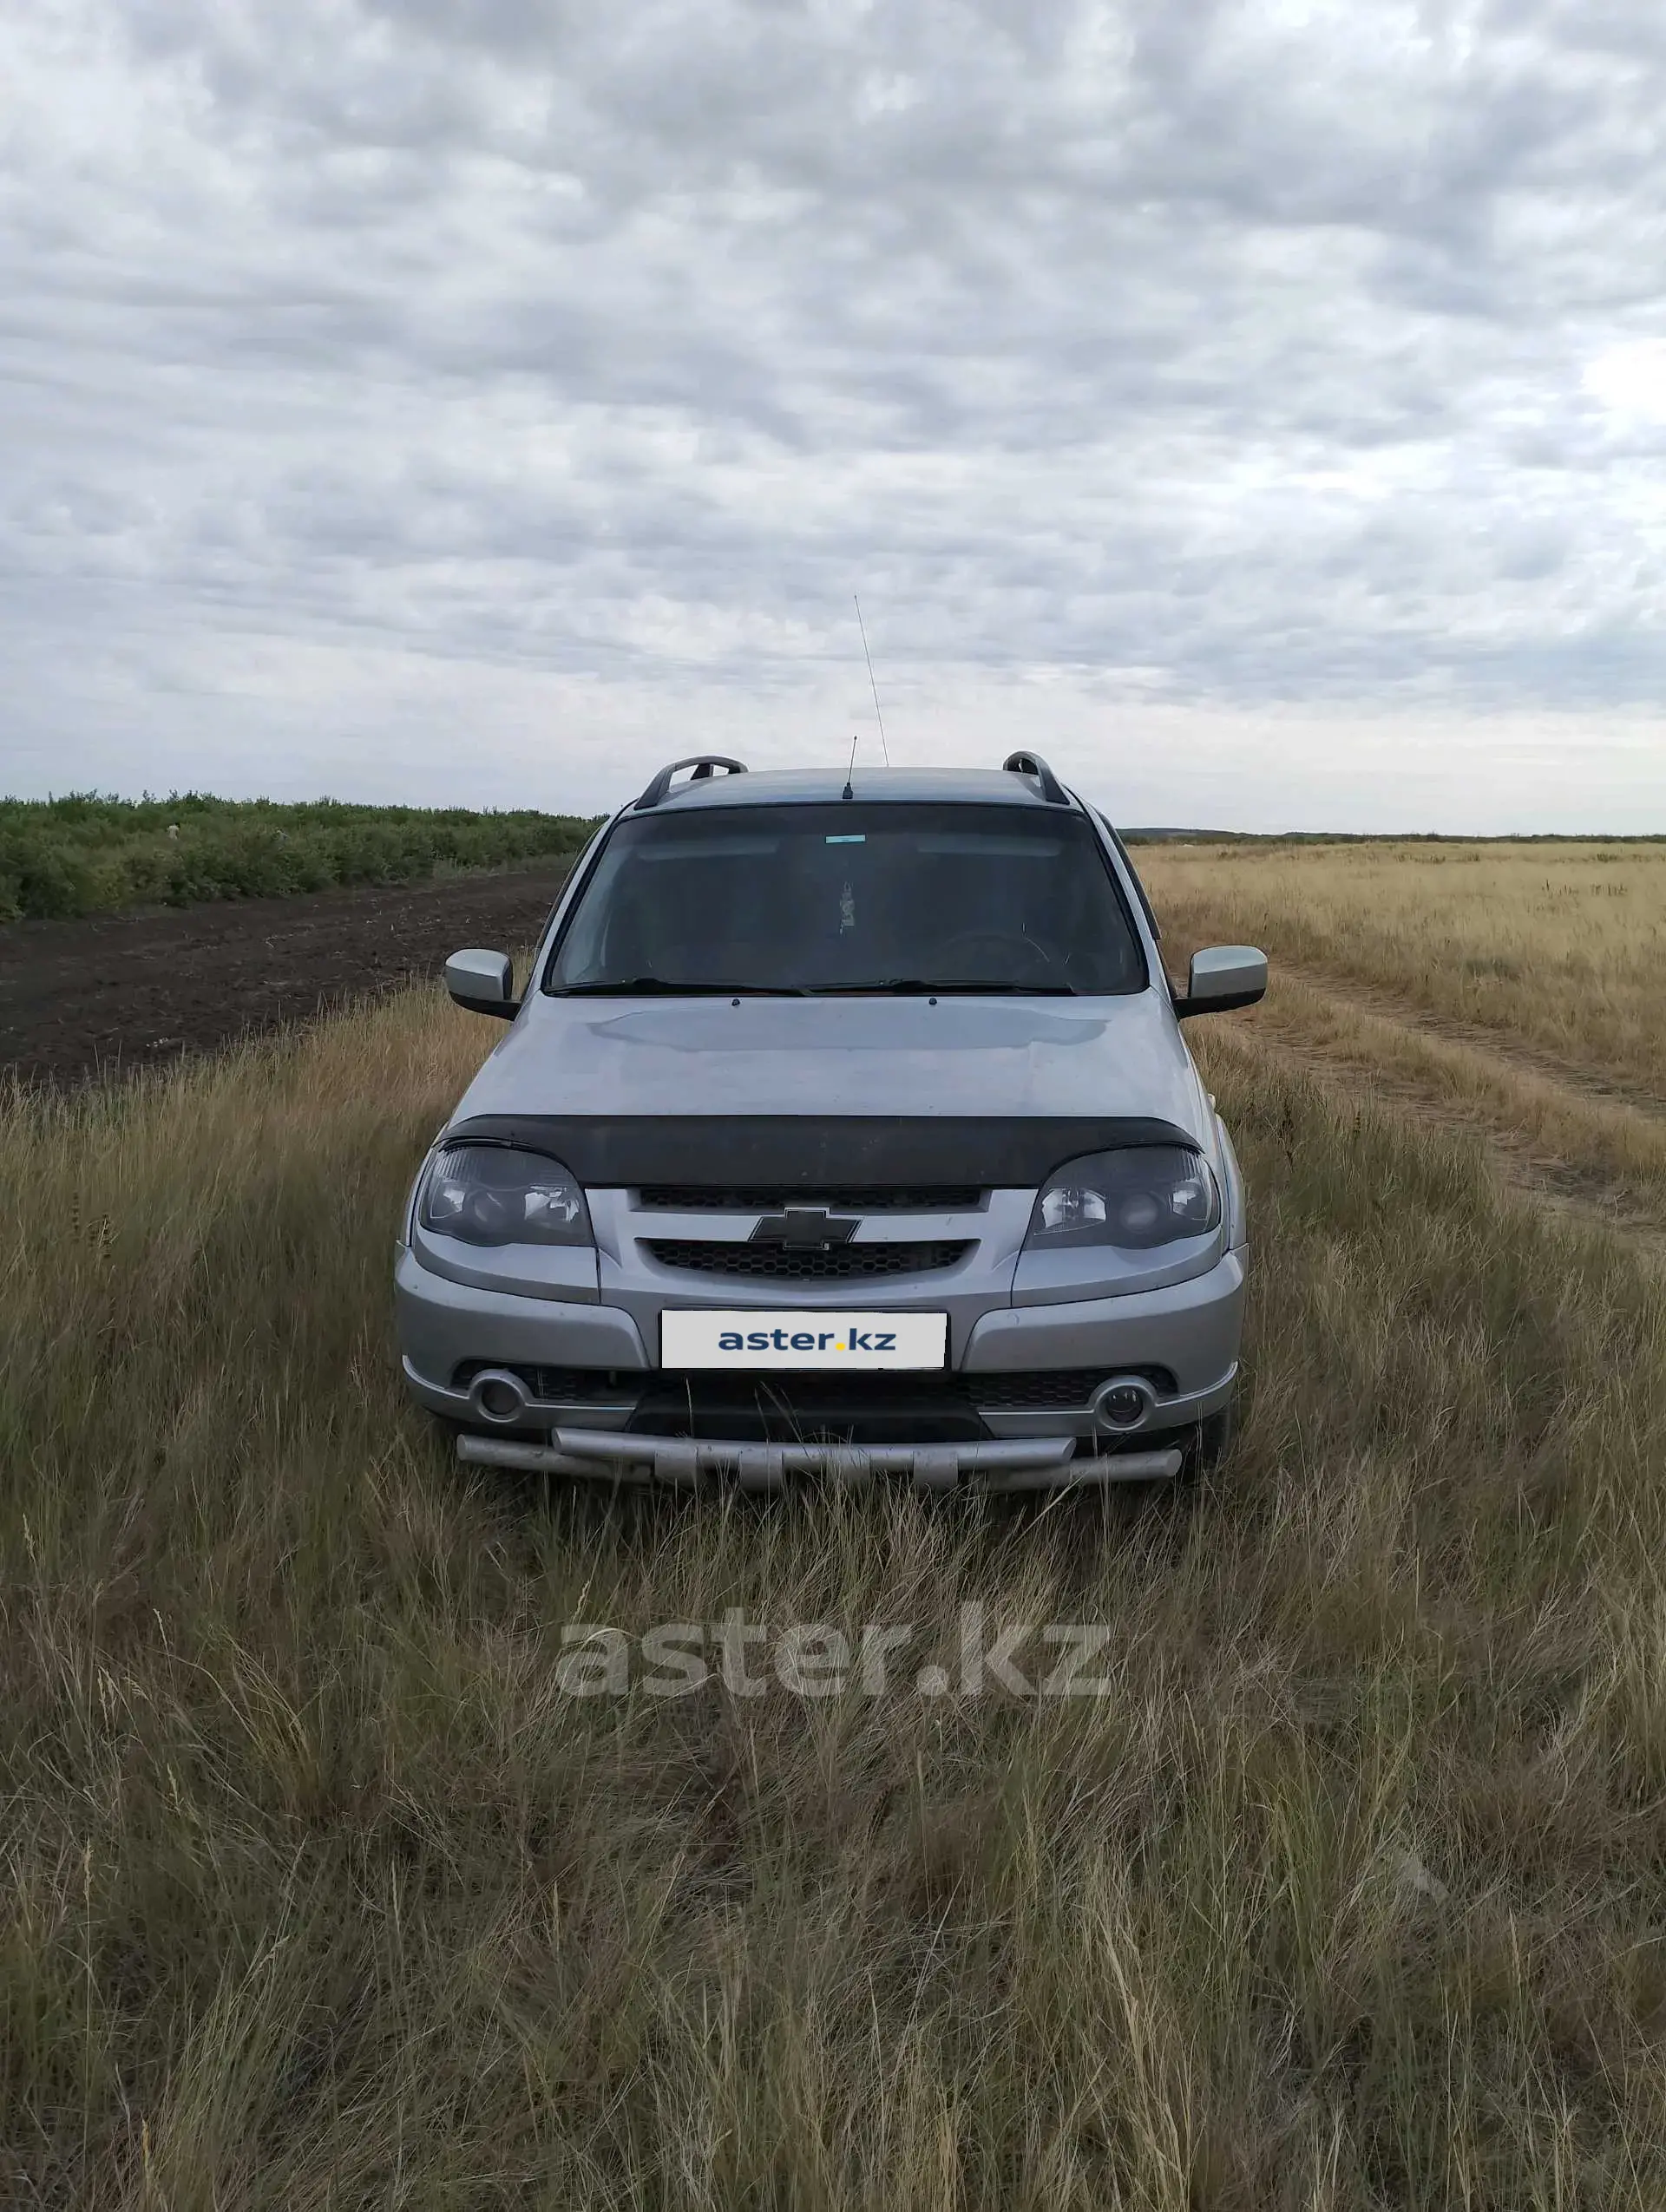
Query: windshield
[849, 897]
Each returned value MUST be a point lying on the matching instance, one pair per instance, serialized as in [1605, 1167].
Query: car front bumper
[1186, 1333]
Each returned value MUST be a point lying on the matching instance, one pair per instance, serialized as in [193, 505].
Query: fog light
[498, 1398]
[1123, 1407]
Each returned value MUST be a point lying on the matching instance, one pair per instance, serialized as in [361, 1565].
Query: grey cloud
[1242, 349]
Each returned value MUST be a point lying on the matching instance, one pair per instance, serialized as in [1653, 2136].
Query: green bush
[82, 854]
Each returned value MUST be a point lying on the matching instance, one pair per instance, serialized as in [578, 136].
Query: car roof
[806, 787]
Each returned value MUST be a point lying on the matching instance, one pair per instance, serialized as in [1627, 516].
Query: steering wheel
[971, 940]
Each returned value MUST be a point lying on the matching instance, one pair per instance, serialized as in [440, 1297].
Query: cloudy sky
[1259, 408]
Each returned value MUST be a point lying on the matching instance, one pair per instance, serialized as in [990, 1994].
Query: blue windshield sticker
[847, 840]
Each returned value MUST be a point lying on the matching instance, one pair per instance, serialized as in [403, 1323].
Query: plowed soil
[101, 997]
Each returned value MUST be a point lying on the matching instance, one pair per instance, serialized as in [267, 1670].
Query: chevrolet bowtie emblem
[806, 1225]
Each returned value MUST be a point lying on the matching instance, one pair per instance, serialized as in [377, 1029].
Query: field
[84, 854]
[116, 994]
[324, 1887]
[1512, 989]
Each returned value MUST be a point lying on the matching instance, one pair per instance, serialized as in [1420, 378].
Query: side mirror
[1223, 977]
[483, 982]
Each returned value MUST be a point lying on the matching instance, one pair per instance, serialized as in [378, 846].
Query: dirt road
[1574, 1142]
[119, 991]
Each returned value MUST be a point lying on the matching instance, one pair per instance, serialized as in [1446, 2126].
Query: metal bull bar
[1023, 1463]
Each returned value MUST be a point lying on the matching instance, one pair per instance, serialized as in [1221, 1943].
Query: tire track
[1587, 1192]
[1603, 1086]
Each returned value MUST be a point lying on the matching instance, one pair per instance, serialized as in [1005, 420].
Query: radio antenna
[847, 793]
[869, 657]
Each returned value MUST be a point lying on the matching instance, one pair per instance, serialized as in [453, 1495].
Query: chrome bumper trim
[1038, 1463]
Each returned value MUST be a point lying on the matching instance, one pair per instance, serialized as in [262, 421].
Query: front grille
[687, 1198]
[580, 1385]
[820, 1407]
[1053, 1389]
[811, 1408]
[807, 1263]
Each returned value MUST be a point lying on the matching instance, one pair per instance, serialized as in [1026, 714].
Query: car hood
[962, 1056]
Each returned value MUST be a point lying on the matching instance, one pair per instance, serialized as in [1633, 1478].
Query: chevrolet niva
[845, 1129]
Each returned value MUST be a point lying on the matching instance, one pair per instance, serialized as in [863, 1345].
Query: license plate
[709, 1336]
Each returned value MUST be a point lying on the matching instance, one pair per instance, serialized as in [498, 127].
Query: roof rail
[1033, 764]
[702, 764]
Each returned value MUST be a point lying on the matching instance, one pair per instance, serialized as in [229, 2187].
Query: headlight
[486, 1193]
[1148, 1194]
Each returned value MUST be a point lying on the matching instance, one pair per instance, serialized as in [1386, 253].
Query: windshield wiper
[659, 986]
[910, 986]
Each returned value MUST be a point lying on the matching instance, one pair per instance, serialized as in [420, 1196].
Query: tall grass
[1560, 946]
[83, 854]
[321, 1890]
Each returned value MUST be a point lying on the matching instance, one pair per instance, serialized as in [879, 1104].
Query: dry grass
[1509, 992]
[1560, 947]
[322, 1891]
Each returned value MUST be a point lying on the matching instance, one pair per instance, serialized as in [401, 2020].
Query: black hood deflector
[810, 1152]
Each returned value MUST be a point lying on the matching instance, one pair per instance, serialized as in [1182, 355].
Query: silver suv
[844, 1130]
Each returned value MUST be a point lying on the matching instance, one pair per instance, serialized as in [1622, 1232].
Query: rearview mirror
[1223, 977]
[483, 982]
